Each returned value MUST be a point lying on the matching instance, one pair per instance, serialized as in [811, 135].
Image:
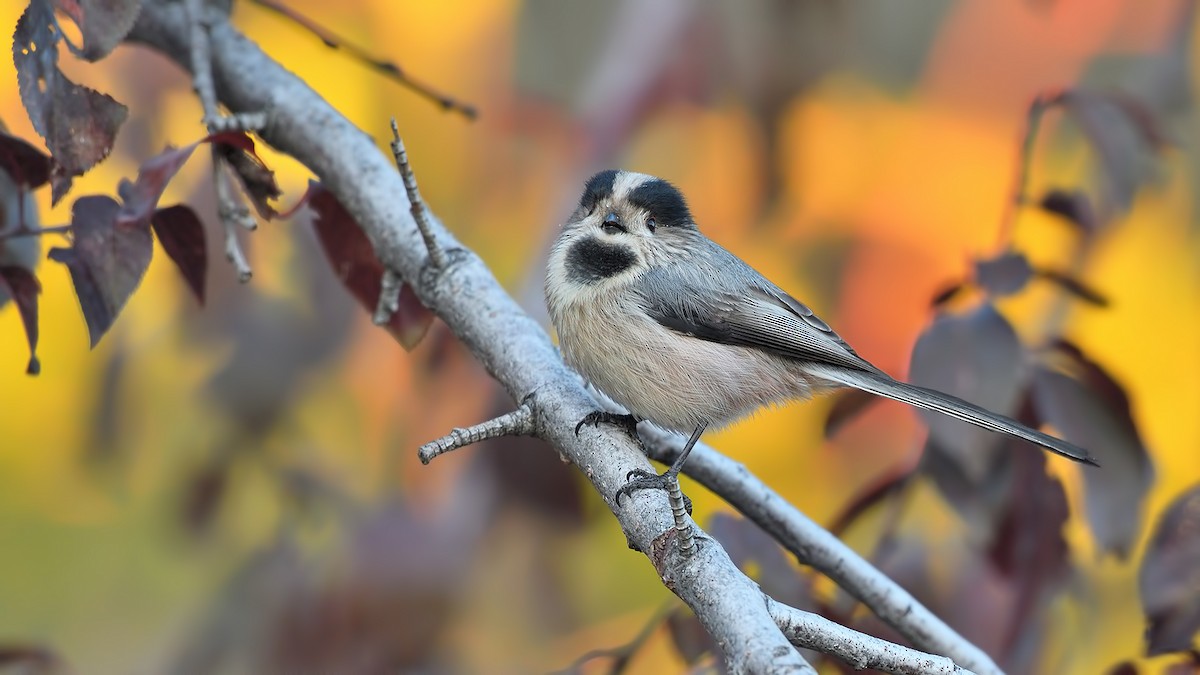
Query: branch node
[243, 121]
[201, 58]
[419, 213]
[389, 297]
[202, 78]
[232, 214]
[519, 422]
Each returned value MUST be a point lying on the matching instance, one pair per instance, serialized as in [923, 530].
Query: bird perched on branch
[686, 335]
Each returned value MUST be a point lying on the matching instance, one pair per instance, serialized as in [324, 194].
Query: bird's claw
[596, 417]
[639, 479]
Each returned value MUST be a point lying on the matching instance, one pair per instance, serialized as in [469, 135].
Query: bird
[686, 335]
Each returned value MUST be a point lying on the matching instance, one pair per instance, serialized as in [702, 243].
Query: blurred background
[234, 488]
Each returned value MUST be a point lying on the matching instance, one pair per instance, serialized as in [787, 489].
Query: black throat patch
[591, 260]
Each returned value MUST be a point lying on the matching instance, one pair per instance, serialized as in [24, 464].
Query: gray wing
[722, 299]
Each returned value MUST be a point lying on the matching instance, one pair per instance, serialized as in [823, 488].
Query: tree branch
[815, 546]
[860, 650]
[510, 345]
[516, 423]
[517, 352]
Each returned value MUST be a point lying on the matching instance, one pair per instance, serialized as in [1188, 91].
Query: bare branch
[860, 650]
[415, 204]
[519, 422]
[510, 345]
[815, 546]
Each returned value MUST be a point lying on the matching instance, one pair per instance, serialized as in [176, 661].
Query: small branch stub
[519, 422]
[389, 297]
[436, 255]
[243, 121]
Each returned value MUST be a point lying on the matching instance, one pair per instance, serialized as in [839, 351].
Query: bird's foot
[626, 422]
[644, 480]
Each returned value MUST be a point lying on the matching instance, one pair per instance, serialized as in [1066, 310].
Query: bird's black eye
[612, 224]
[650, 225]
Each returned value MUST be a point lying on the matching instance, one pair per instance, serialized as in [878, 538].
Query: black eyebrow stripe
[598, 187]
[663, 201]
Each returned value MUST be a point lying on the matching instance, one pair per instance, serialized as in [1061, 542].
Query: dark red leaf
[1028, 547]
[23, 286]
[975, 356]
[1003, 275]
[978, 502]
[78, 123]
[1117, 128]
[1074, 287]
[181, 234]
[1170, 575]
[1092, 410]
[847, 405]
[104, 23]
[257, 180]
[140, 199]
[28, 166]
[1142, 118]
[107, 260]
[1072, 205]
[354, 263]
[691, 640]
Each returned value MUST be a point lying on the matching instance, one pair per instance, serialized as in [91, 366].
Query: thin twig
[415, 204]
[621, 654]
[1018, 196]
[388, 68]
[519, 422]
[812, 631]
[389, 297]
[232, 214]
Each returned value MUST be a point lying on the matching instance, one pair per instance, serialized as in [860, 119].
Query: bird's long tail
[881, 384]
